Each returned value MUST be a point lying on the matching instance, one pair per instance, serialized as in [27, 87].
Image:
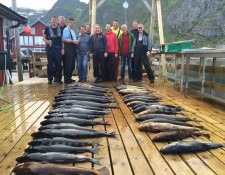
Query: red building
[32, 40]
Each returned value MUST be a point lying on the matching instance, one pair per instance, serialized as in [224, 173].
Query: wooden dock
[132, 152]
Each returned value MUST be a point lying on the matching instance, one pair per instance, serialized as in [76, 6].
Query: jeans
[124, 58]
[82, 66]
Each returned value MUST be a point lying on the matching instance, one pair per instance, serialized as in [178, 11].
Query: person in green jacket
[125, 49]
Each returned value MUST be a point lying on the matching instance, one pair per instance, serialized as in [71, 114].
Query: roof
[37, 22]
[12, 15]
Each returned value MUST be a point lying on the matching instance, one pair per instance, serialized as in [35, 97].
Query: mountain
[202, 20]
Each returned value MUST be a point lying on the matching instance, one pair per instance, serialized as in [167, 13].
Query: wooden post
[161, 34]
[17, 46]
[152, 24]
[90, 11]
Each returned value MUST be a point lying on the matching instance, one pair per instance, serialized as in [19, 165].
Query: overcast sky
[33, 4]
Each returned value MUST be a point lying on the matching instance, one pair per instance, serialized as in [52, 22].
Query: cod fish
[84, 91]
[163, 116]
[158, 127]
[176, 135]
[78, 110]
[84, 98]
[70, 133]
[84, 103]
[60, 148]
[80, 106]
[163, 120]
[62, 140]
[189, 147]
[81, 116]
[81, 95]
[72, 120]
[131, 104]
[159, 107]
[54, 157]
[44, 168]
[67, 126]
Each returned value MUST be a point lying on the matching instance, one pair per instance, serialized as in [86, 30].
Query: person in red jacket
[110, 61]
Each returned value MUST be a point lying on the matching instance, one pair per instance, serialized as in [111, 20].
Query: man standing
[70, 42]
[82, 55]
[110, 61]
[99, 49]
[115, 29]
[141, 49]
[125, 49]
[134, 31]
[88, 29]
[61, 20]
[52, 38]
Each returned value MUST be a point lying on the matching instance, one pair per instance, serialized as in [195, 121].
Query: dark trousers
[117, 67]
[99, 64]
[138, 60]
[54, 66]
[110, 63]
[69, 61]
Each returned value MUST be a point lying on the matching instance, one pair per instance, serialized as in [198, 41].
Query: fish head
[30, 150]
[23, 159]
[145, 127]
[22, 169]
[34, 143]
[40, 134]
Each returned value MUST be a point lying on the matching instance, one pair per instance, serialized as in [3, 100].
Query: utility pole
[17, 46]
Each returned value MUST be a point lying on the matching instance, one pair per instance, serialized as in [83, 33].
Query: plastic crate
[176, 46]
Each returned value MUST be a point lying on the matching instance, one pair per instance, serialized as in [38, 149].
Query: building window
[32, 31]
[31, 41]
[38, 40]
[21, 41]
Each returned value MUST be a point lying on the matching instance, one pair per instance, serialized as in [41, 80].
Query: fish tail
[105, 123]
[206, 135]
[97, 160]
[94, 150]
[112, 134]
[103, 171]
[97, 143]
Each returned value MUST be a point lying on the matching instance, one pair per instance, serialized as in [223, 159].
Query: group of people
[105, 48]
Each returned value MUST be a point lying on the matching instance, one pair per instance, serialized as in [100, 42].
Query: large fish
[158, 111]
[163, 120]
[54, 157]
[82, 116]
[70, 133]
[88, 85]
[44, 168]
[84, 91]
[163, 116]
[62, 140]
[80, 106]
[66, 126]
[159, 107]
[158, 127]
[176, 135]
[78, 110]
[72, 120]
[146, 100]
[133, 91]
[133, 103]
[84, 98]
[189, 147]
[60, 148]
[84, 103]
[81, 95]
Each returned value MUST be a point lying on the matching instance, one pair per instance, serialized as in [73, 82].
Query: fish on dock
[73, 120]
[159, 107]
[59, 148]
[44, 168]
[176, 135]
[82, 116]
[70, 133]
[144, 117]
[79, 110]
[62, 140]
[189, 147]
[55, 157]
[158, 127]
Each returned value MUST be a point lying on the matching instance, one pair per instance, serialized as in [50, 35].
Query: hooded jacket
[112, 42]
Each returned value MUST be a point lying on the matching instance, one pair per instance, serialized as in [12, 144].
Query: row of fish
[75, 107]
[156, 117]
